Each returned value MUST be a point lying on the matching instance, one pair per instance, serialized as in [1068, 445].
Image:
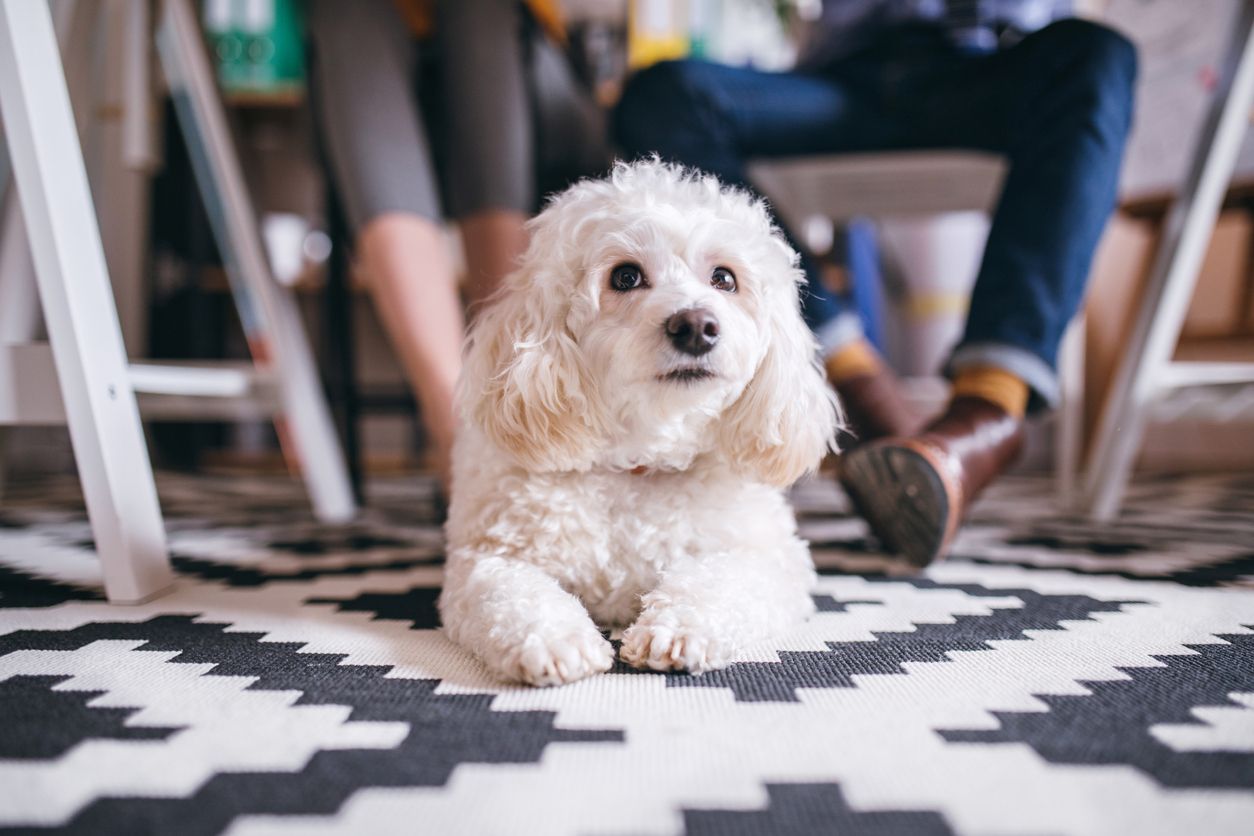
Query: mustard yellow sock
[995, 386]
[854, 359]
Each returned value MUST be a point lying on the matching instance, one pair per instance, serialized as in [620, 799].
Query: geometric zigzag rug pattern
[1052, 676]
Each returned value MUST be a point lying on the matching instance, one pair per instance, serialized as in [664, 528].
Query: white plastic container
[929, 265]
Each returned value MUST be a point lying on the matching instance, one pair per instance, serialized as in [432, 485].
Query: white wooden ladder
[1147, 376]
[81, 377]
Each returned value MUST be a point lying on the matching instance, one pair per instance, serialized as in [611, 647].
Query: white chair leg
[78, 306]
[267, 312]
[1069, 430]
[1172, 278]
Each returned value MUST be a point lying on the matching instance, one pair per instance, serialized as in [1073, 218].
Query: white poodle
[633, 405]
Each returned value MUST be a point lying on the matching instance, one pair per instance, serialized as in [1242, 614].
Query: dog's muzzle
[693, 331]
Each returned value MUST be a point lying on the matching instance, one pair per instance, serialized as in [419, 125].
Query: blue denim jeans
[1057, 105]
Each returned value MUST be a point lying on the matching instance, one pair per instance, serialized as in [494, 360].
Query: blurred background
[903, 241]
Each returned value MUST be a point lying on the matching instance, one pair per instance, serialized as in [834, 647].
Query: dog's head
[654, 318]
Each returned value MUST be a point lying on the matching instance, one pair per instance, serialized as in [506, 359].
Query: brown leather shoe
[914, 491]
[875, 408]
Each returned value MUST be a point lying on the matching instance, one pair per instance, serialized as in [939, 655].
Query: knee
[1089, 71]
[1097, 56]
[659, 105]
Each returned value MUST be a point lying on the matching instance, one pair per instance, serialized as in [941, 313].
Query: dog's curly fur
[604, 477]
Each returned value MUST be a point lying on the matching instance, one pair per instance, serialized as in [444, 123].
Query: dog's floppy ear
[524, 382]
[786, 419]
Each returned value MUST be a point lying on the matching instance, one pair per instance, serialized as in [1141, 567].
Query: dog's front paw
[558, 659]
[664, 646]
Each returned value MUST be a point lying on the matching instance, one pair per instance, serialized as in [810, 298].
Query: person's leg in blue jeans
[1058, 105]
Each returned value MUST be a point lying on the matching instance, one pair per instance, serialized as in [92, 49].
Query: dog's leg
[520, 622]
[711, 607]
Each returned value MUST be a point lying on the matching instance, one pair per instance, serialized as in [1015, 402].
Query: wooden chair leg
[340, 356]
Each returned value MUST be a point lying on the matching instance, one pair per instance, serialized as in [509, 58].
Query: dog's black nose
[694, 331]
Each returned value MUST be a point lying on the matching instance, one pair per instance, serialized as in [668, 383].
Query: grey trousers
[483, 115]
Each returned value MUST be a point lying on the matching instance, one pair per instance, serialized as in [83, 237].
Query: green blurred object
[258, 46]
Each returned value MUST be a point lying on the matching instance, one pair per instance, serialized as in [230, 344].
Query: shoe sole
[902, 492]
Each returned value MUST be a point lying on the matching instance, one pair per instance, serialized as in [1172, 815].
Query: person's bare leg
[493, 239]
[411, 278]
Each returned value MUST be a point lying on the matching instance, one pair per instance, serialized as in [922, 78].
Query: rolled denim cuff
[838, 332]
[1032, 370]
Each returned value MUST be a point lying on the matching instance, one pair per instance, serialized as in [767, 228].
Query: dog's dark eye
[723, 279]
[626, 277]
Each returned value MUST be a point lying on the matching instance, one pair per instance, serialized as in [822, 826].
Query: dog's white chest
[610, 536]
[621, 532]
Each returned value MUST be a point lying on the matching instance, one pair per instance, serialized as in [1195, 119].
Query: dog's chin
[687, 375]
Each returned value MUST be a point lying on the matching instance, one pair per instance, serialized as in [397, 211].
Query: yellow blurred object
[928, 305]
[419, 15]
[856, 359]
[995, 386]
[657, 30]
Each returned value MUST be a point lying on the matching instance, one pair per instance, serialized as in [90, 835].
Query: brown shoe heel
[906, 495]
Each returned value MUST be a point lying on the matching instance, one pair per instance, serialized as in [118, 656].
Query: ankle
[996, 386]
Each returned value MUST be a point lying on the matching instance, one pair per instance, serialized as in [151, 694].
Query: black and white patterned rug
[1052, 677]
